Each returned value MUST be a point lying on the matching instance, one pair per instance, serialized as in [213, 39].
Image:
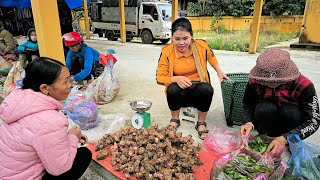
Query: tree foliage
[245, 7]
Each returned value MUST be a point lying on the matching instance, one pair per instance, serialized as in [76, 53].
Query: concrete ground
[136, 69]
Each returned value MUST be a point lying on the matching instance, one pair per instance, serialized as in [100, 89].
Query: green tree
[283, 7]
[245, 7]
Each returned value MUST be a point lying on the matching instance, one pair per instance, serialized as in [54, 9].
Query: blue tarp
[73, 4]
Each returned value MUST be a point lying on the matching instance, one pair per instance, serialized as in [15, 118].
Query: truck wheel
[110, 36]
[99, 31]
[147, 37]
[164, 40]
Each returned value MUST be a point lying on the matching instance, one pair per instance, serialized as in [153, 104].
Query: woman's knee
[173, 89]
[290, 112]
[205, 89]
[85, 154]
[265, 108]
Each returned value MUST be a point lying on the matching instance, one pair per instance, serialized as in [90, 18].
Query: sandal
[177, 121]
[200, 133]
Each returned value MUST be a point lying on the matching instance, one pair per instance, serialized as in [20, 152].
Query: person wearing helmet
[82, 60]
[279, 100]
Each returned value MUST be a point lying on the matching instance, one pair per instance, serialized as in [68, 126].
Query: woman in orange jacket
[182, 68]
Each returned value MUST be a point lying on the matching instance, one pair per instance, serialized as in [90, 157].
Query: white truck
[149, 20]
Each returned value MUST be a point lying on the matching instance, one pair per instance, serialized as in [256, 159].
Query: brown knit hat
[273, 68]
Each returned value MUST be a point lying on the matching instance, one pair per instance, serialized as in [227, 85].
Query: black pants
[77, 65]
[79, 166]
[275, 121]
[29, 55]
[198, 95]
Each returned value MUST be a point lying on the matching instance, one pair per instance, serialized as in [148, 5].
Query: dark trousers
[79, 166]
[198, 95]
[77, 65]
[29, 55]
[275, 121]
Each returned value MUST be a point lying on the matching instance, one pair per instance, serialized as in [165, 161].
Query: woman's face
[75, 48]
[182, 40]
[60, 89]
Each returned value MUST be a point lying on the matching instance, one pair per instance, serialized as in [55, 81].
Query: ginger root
[151, 153]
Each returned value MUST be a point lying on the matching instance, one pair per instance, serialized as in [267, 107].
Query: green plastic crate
[232, 95]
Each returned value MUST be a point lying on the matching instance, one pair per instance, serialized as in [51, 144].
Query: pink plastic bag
[280, 171]
[267, 160]
[221, 141]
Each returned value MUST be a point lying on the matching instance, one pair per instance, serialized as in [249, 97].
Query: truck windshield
[165, 10]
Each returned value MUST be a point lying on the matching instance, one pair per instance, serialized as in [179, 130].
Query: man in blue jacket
[82, 60]
[29, 50]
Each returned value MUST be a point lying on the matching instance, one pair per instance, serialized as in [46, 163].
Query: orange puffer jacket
[167, 58]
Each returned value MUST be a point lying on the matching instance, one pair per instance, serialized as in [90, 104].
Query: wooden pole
[174, 10]
[255, 26]
[47, 24]
[122, 22]
[86, 19]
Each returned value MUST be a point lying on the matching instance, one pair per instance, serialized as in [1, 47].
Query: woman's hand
[76, 131]
[83, 139]
[276, 146]
[246, 128]
[182, 81]
[222, 76]
[29, 49]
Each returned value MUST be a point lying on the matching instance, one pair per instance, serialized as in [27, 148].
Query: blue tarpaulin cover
[73, 4]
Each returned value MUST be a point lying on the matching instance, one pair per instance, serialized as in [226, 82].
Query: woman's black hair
[181, 24]
[42, 70]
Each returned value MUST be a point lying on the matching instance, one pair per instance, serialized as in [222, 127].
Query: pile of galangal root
[151, 153]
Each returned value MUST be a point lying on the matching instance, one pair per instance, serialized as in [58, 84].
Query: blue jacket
[89, 54]
[28, 44]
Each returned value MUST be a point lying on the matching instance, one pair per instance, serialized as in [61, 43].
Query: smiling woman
[34, 130]
[180, 65]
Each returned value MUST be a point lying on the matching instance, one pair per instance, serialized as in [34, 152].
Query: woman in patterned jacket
[279, 100]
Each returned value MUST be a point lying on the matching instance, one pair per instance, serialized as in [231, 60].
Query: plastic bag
[266, 160]
[261, 176]
[14, 75]
[107, 86]
[222, 141]
[305, 160]
[85, 115]
[108, 123]
[280, 171]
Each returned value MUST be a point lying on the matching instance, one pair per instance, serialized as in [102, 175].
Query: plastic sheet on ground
[200, 172]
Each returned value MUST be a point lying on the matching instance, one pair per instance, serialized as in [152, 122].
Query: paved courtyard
[136, 68]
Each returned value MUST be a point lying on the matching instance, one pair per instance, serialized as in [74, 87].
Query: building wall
[281, 23]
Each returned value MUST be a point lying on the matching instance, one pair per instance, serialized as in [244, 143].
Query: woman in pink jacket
[34, 140]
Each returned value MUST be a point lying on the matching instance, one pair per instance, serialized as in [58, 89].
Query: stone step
[96, 172]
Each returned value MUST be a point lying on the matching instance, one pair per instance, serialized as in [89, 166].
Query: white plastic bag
[108, 123]
[15, 74]
[107, 86]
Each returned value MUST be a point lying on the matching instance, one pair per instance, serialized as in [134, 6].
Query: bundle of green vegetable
[234, 174]
[258, 145]
[4, 73]
[250, 165]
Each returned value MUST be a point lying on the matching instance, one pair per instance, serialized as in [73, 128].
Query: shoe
[177, 121]
[200, 133]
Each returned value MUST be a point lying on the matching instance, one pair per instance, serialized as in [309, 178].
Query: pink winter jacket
[33, 137]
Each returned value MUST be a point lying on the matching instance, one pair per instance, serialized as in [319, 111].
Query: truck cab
[155, 22]
[149, 20]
